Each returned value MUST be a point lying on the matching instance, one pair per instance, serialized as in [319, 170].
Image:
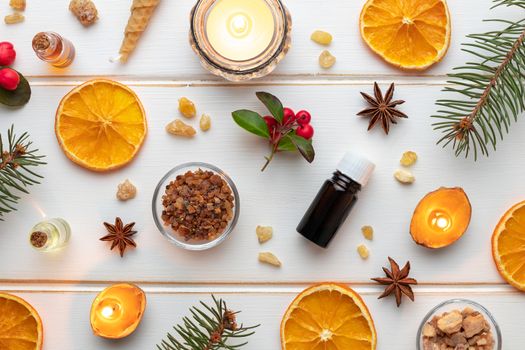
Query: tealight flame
[107, 312]
[442, 223]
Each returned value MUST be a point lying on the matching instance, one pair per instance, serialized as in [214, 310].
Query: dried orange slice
[101, 125]
[406, 33]
[328, 316]
[20, 325]
[508, 246]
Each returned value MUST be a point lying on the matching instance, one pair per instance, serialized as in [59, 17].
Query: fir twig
[17, 159]
[209, 328]
[488, 94]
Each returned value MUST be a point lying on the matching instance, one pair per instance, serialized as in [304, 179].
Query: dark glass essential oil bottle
[335, 199]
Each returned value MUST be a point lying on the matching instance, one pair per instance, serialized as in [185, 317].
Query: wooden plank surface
[164, 52]
[163, 69]
[66, 316]
[292, 184]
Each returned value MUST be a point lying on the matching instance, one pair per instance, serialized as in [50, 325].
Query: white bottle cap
[356, 167]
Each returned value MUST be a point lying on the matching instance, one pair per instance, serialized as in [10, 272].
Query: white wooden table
[62, 286]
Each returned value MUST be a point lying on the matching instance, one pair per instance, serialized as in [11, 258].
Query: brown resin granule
[38, 239]
[198, 205]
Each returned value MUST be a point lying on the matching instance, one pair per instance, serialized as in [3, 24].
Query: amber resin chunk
[441, 218]
[117, 311]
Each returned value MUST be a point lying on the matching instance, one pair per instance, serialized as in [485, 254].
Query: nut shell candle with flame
[441, 218]
[117, 311]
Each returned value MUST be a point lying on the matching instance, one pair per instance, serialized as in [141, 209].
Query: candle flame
[107, 311]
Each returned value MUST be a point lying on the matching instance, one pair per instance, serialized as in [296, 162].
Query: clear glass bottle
[226, 36]
[50, 235]
[50, 47]
[335, 200]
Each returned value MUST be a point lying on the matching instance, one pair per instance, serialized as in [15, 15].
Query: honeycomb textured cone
[141, 12]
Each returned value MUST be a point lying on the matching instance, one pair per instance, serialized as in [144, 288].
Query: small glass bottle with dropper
[54, 49]
[50, 235]
[335, 199]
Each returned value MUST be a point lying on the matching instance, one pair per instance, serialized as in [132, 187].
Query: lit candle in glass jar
[240, 30]
[117, 311]
[240, 39]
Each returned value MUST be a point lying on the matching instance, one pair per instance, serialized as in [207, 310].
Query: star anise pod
[382, 109]
[397, 281]
[120, 235]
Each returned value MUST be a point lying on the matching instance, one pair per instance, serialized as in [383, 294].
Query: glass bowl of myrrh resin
[459, 324]
[196, 206]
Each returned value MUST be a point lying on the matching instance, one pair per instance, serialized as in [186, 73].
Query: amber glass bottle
[54, 49]
[335, 199]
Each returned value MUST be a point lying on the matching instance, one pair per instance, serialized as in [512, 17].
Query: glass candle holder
[50, 235]
[238, 39]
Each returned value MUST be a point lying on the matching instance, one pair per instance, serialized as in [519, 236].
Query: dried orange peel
[408, 34]
[328, 316]
[508, 246]
[101, 125]
[20, 325]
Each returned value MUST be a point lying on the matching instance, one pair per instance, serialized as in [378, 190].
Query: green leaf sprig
[282, 137]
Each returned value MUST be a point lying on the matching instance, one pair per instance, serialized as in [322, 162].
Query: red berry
[7, 54]
[289, 116]
[303, 117]
[9, 79]
[305, 130]
[271, 122]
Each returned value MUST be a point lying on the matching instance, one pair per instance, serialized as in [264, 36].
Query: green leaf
[18, 97]
[286, 144]
[251, 122]
[273, 104]
[304, 147]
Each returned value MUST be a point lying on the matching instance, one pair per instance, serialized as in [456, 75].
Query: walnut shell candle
[117, 311]
[441, 218]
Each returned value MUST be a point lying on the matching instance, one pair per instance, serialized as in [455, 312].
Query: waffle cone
[141, 12]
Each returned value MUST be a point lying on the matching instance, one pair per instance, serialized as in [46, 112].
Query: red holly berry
[9, 79]
[289, 116]
[303, 117]
[305, 130]
[7, 54]
[271, 123]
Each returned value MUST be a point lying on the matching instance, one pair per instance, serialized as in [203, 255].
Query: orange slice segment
[328, 316]
[20, 325]
[508, 246]
[406, 33]
[101, 125]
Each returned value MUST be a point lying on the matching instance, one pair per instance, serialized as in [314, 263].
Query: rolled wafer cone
[141, 12]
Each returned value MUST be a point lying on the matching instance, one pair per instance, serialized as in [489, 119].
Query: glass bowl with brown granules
[196, 206]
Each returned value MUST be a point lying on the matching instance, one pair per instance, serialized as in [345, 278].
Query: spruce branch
[488, 93]
[209, 328]
[16, 174]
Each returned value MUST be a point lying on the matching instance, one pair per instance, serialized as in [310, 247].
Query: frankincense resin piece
[85, 11]
[321, 37]
[179, 128]
[126, 191]
[19, 5]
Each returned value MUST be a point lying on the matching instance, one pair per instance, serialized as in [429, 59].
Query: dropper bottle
[52, 48]
[335, 199]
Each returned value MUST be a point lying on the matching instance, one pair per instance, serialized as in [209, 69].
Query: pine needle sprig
[209, 328]
[488, 93]
[520, 3]
[17, 159]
